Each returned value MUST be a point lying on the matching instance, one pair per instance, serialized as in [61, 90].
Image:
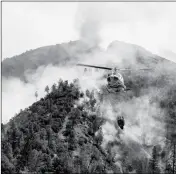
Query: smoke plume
[144, 119]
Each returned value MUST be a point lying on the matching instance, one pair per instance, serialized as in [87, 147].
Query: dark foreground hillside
[58, 135]
[54, 135]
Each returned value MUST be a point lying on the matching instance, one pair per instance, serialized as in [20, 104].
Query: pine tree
[47, 89]
[88, 93]
[32, 160]
[53, 87]
[7, 149]
[14, 136]
[153, 163]
[171, 161]
[76, 83]
[36, 95]
[60, 83]
[50, 137]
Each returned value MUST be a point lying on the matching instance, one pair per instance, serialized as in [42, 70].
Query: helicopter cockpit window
[116, 78]
[108, 79]
[112, 78]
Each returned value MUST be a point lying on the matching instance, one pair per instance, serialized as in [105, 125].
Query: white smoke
[150, 25]
[18, 95]
[144, 127]
[144, 121]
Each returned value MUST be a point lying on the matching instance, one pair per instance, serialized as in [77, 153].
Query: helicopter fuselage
[115, 83]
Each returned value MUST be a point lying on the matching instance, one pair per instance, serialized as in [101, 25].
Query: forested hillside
[72, 131]
[56, 135]
[61, 133]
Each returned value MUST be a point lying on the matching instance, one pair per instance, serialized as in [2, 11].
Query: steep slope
[134, 55]
[55, 135]
[71, 52]
[58, 54]
[63, 133]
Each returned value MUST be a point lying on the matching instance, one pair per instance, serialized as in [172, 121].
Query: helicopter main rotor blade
[100, 67]
[92, 66]
[134, 69]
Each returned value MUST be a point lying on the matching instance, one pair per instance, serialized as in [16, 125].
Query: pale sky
[29, 25]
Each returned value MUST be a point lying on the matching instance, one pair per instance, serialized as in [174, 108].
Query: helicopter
[115, 81]
[115, 85]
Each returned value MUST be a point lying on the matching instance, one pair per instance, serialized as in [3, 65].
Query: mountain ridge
[71, 52]
[65, 132]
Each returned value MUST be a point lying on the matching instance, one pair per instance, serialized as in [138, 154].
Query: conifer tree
[53, 87]
[153, 163]
[87, 93]
[47, 89]
[14, 136]
[36, 95]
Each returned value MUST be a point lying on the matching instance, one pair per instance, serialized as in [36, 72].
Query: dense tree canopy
[52, 136]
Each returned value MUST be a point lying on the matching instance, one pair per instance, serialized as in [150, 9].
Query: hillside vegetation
[63, 132]
[54, 135]
[57, 134]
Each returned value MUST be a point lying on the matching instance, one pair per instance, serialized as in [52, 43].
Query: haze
[29, 25]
